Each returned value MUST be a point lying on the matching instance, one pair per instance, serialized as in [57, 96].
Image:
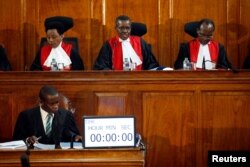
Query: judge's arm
[36, 65]
[71, 129]
[149, 60]
[104, 58]
[20, 131]
[77, 62]
[183, 52]
[223, 61]
[4, 62]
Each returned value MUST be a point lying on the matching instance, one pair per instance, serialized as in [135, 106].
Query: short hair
[121, 18]
[206, 21]
[47, 90]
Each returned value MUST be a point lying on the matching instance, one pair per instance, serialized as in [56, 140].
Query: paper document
[66, 145]
[44, 146]
[19, 144]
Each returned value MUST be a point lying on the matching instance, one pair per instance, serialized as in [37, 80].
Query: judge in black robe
[104, 59]
[111, 55]
[77, 63]
[202, 31]
[184, 51]
[4, 62]
[55, 48]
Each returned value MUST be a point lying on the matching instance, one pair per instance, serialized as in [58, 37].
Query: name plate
[104, 132]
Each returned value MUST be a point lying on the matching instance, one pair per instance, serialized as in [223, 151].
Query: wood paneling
[181, 115]
[22, 25]
[75, 158]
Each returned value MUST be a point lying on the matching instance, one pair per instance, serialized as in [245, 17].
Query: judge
[46, 123]
[4, 62]
[66, 57]
[203, 52]
[125, 47]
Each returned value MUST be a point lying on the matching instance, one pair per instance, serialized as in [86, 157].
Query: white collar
[129, 52]
[59, 55]
[204, 55]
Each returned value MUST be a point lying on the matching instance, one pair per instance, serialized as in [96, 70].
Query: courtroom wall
[21, 25]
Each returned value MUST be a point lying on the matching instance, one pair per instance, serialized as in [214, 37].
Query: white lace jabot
[59, 55]
[129, 52]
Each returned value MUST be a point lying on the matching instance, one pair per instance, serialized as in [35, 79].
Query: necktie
[48, 125]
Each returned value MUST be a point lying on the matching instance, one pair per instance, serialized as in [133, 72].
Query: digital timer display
[108, 131]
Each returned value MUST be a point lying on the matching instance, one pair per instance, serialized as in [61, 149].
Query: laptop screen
[108, 131]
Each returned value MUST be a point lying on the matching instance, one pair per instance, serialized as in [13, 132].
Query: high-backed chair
[191, 27]
[138, 29]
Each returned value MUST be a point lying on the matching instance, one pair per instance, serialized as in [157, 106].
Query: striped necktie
[48, 127]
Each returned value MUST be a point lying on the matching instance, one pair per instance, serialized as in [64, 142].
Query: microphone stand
[203, 64]
[25, 157]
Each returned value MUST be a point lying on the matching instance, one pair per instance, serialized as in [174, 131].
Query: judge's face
[123, 29]
[205, 33]
[54, 38]
[51, 103]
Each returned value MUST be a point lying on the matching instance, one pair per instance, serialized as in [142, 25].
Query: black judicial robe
[246, 64]
[77, 63]
[4, 62]
[29, 123]
[184, 51]
[104, 59]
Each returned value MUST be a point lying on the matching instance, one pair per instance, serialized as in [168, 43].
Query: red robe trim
[45, 51]
[116, 46]
[213, 47]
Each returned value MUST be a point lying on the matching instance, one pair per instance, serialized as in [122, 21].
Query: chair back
[191, 27]
[138, 29]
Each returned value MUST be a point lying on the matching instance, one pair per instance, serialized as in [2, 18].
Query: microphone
[25, 160]
[204, 64]
[25, 157]
[72, 141]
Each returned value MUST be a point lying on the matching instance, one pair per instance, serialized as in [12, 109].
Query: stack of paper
[19, 144]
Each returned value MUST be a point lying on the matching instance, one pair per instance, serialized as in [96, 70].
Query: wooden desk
[180, 114]
[76, 158]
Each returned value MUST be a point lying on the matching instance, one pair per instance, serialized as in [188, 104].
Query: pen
[38, 138]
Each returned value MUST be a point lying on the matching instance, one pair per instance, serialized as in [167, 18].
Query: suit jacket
[184, 51]
[29, 123]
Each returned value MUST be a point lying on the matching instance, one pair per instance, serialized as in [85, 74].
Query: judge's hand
[31, 140]
[78, 138]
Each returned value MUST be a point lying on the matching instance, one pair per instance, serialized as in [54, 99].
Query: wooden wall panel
[244, 31]
[94, 24]
[221, 113]
[11, 31]
[169, 119]
[181, 114]
[111, 104]
[6, 115]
